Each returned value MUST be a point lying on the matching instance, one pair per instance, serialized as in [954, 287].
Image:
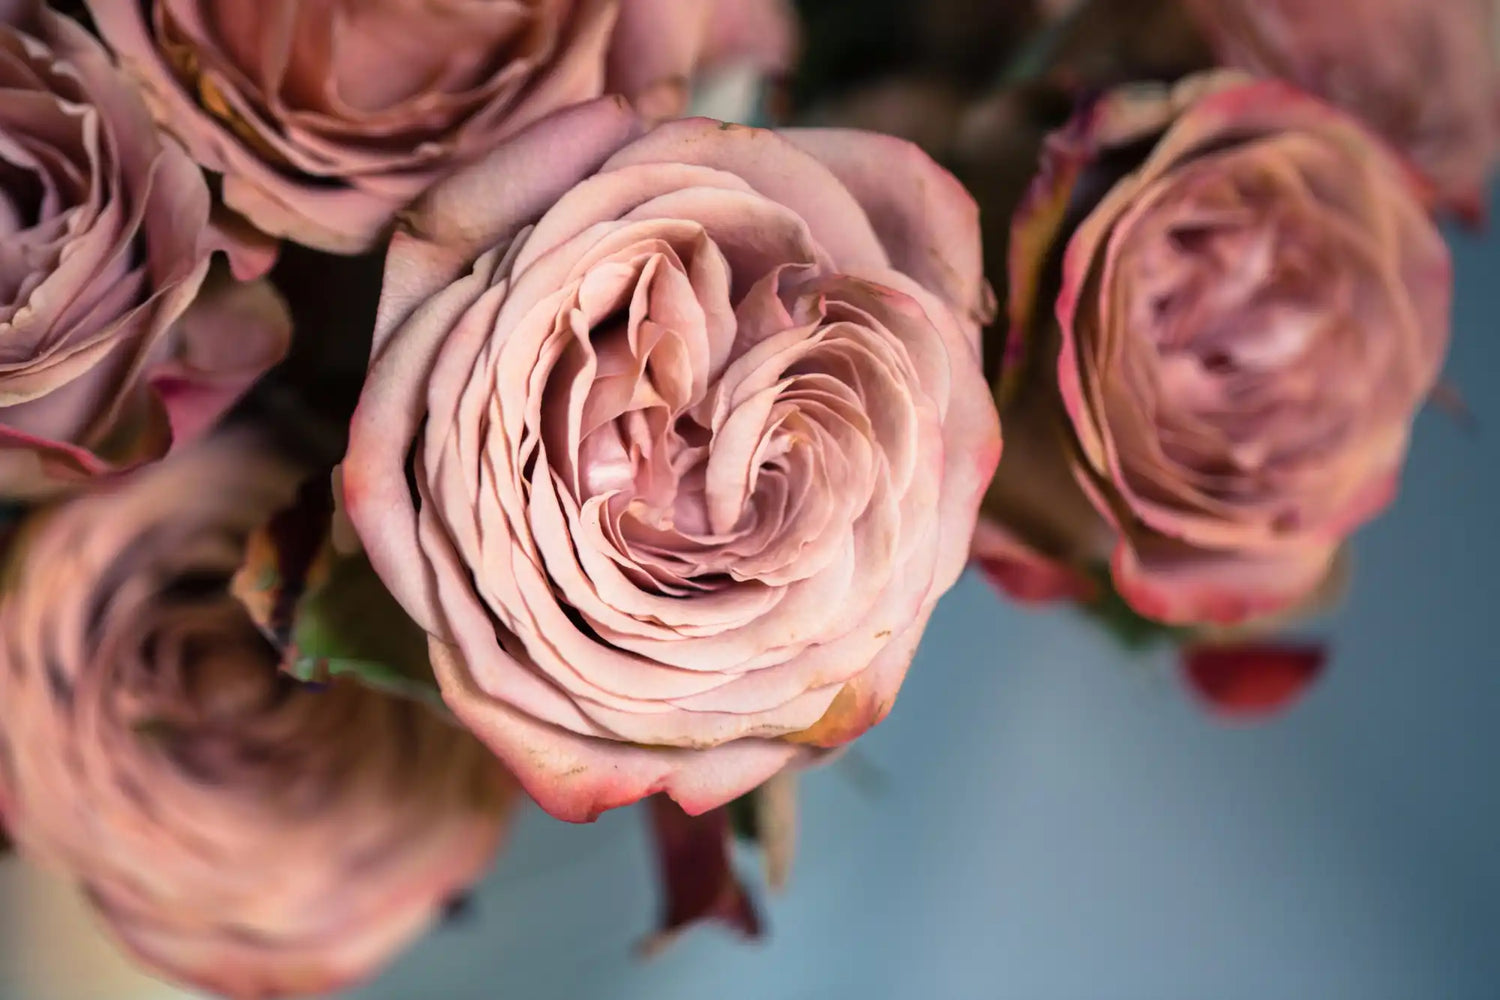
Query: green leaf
[1132, 629]
[743, 821]
[350, 625]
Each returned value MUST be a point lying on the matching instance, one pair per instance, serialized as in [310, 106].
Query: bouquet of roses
[411, 409]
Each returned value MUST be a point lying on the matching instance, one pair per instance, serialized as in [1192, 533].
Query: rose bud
[673, 445]
[235, 831]
[1422, 74]
[1252, 306]
[104, 244]
[326, 119]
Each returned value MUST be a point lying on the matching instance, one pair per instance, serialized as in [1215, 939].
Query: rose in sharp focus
[1421, 74]
[673, 446]
[234, 830]
[326, 117]
[103, 246]
[1253, 305]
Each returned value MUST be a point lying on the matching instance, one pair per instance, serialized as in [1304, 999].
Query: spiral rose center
[706, 463]
[1242, 295]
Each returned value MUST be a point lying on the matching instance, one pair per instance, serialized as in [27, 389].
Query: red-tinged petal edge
[1037, 583]
[1024, 574]
[1252, 681]
[697, 877]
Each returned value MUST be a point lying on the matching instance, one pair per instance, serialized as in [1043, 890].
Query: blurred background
[1045, 816]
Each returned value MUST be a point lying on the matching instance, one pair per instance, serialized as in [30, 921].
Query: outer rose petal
[1023, 573]
[762, 33]
[927, 222]
[1175, 584]
[774, 167]
[576, 778]
[470, 213]
[448, 228]
[659, 45]
[233, 334]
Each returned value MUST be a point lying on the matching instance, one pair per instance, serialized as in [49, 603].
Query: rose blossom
[695, 433]
[103, 245]
[1420, 73]
[235, 831]
[1253, 304]
[326, 117]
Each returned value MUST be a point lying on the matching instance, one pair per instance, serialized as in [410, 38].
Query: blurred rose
[1419, 72]
[327, 117]
[925, 110]
[1253, 304]
[660, 46]
[103, 245]
[676, 469]
[234, 830]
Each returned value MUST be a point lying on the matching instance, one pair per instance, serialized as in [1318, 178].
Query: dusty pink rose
[661, 47]
[673, 444]
[327, 117]
[235, 831]
[1422, 73]
[104, 244]
[1253, 304]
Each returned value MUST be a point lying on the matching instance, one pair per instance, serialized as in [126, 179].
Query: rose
[327, 117]
[660, 46]
[103, 246]
[672, 443]
[235, 830]
[1253, 303]
[1421, 74]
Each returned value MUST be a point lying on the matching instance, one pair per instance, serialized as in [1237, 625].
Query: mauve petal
[579, 75]
[375, 493]
[776, 168]
[469, 212]
[1173, 583]
[866, 700]
[1023, 573]
[233, 334]
[654, 51]
[35, 467]
[760, 33]
[925, 219]
[575, 778]
[1422, 75]
[338, 220]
